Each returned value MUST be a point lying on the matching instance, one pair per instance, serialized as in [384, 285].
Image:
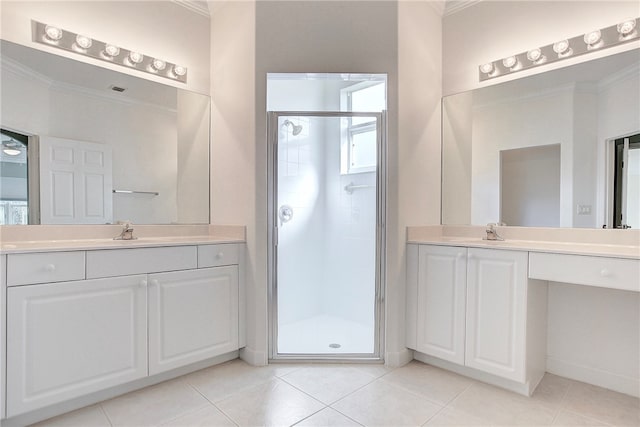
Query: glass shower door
[326, 215]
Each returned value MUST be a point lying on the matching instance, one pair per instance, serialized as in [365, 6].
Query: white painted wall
[491, 30]
[248, 40]
[594, 335]
[193, 124]
[161, 28]
[457, 132]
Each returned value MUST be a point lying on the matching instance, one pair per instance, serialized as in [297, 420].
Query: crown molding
[200, 7]
[438, 5]
[455, 6]
[9, 65]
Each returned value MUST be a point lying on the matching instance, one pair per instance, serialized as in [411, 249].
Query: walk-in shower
[326, 193]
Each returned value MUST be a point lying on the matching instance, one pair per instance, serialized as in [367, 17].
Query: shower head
[295, 129]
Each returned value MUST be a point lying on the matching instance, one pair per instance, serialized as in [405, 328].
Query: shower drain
[335, 345]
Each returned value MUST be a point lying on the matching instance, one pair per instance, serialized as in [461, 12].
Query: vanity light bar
[81, 44]
[614, 35]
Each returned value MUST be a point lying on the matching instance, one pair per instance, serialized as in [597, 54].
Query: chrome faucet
[492, 233]
[127, 232]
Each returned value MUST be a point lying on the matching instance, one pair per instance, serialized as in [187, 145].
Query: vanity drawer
[217, 255]
[615, 273]
[121, 262]
[26, 269]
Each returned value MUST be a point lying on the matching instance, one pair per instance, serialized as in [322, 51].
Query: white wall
[402, 40]
[156, 28]
[491, 30]
[457, 131]
[193, 145]
[594, 336]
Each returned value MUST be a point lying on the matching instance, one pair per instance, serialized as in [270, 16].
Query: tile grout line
[212, 403]
[561, 404]
[308, 416]
[104, 411]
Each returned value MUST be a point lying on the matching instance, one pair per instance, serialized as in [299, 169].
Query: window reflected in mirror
[14, 183]
[626, 186]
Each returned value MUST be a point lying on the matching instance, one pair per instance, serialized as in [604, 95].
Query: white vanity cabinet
[496, 312]
[193, 315]
[3, 330]
[68, 339]
[442, 284]
[477, 309]
[125, 314]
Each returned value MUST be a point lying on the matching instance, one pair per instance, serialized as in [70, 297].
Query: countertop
[96, 244]
[592, 249]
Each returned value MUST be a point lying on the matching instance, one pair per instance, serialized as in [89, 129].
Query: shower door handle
[285, 213]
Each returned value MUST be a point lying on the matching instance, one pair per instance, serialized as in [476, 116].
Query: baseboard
[598, 377]
[394, 359]
[525, 389]
[99, 396]
[254, 357]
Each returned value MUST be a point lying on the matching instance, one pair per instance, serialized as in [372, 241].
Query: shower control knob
[285, 213]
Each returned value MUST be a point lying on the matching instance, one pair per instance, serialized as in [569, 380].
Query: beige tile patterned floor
[236, 394]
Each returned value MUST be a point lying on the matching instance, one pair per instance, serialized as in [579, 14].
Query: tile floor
[236, 394]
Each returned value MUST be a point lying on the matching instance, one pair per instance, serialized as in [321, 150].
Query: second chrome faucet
[492, 233]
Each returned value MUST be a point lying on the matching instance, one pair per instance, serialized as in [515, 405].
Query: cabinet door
[68, 339]
[3, 329]
[193, 315]
[496, 312]
[441, 302]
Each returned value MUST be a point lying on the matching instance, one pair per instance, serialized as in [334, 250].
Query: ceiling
[64, 72]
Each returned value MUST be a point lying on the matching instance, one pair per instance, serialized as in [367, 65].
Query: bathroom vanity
[479, 307]
[87, 316]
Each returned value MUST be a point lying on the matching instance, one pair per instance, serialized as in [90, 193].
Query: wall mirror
[540, 151]
[101, 146]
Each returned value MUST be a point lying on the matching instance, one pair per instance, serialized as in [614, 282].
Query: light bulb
[487, 68]
[111, 50]
[626, 27]
[179, 70]
[510, 61]
[11, 151]
[592, 38]
[534, 55]
[52, 33]
[158, 64]
[83, 41]
[562, 47]
[135, 57]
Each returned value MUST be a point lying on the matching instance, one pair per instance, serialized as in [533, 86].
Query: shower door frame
[272, 237]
